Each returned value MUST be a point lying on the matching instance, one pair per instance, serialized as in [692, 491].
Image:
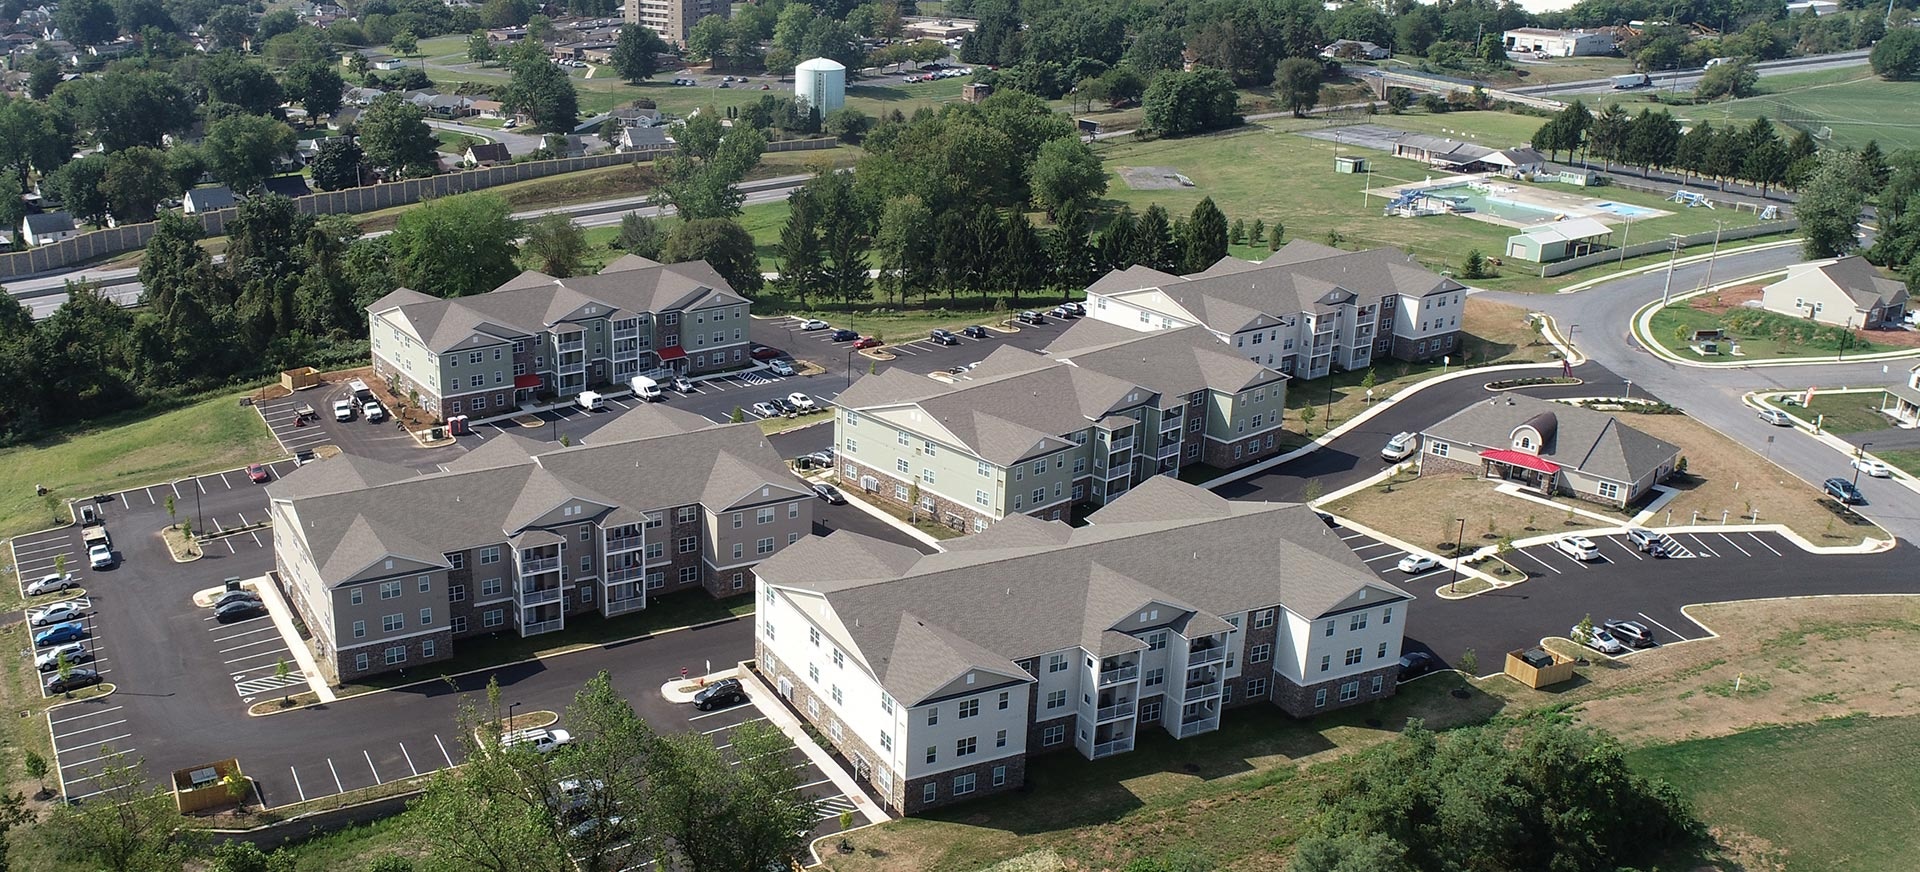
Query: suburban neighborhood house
[1307, 310]
[536, 334]
[390, 568]
[1555, 447]
[1024, 434]
[1847, 292]
[1905, 398]
[939, 675]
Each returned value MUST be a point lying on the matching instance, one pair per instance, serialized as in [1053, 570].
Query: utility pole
[1459, 544]
[1717, 226]
[1666, 293]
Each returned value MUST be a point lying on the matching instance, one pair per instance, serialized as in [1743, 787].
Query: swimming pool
[1480, 201]
[1623, 210]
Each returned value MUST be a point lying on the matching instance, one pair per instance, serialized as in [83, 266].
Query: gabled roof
[48, 222]
[1595, 443]
[488, 151]
[1173, 363]
[1025, 588]
[1862, 283]
[216, 197]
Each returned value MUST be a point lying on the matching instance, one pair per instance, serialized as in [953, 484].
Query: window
[1057, 663]
[964, 747]
[1263, 619]
[793, 511]
[764, 546]
[836, 695]
[426, 647]
[1003, 700]
[586, 563]
[926, 475]
[813, 635]
[763, 515]
[688, 544]
[999, 775]
[1379, 681]
[926, 445]
[356, 596]
[1358, 621]
[1609, 490]
[1329, 633]
[426, 583]
[359, 629]
[360, 662]
[655, 519]
[963, 784]
[1386, 615]
[1039, 495]
[981, 467]
[739, 550]
[1349, 690]
[1256, 688]
[457, 593]
[396, 654]
[929, 792]
[689, 574]
[686, 514]
[1000, 739]
[1260, 653]
[1156, 677]
[1326, 662]
[1354, 655]
[490, 555]
[933, 754]
[493, 618]
[739, 520]
[1381, 651]
[1150, 711]
[839, 659]
[968, 709]
[656, 550]
[1226, 694]
[886, 703]
[813, 672]
[490, 587]
[933, 716]
[1437, 449]
[1056, 699]
[1053, 735]
[982, 498]
[459, 623]
[426, 617]
[902, 466]
[390, 623]
[457, 560]
[886, 741]
[389, 590]
[1320, 698]
[1157, 641]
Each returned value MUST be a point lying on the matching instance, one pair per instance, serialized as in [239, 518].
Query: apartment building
[391, 569]
[539, 336]
[939, 676]
[673, 19]
[1307, 310]
[1023, 433]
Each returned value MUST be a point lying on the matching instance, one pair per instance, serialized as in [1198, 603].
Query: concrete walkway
[283, 620]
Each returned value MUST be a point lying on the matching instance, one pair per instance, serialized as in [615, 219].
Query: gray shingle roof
[1024, 588]
[1595, 443]
[1174, 363]
[1863, 284]
[216, 197]
[48, 222]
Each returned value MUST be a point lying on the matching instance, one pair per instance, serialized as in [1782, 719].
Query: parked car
[1776, 417]
[1415, 663]
[844, 335]
[1872, 467]
[612, 824]
[55, 614]
[375, 412]
[575, 794]
[764, 352]
[822, 459]
[1062, 312]
[100, 557]
[72, 681]
[54, 635]
[868, 342]
[974, 331]
[343, 410]
[257, 473]
[1414, 564]
[49, 660]
[541, 741]
[1642, 538]
[1399, 448]
[802, 402]
[1633, 633]
[1079, 310]
[1031, 318]
[1577, 547]
[781, 367]
[239, 610]
[1601, 641]
[944, 337]
[725, 692]
[813, 324]
[235, 596]
[765, 410]
[1326, 518]
[831, 494]
[683, 384]
[1845, 491]
[57, 581]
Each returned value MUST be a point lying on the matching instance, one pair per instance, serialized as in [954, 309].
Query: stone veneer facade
[1297, 701]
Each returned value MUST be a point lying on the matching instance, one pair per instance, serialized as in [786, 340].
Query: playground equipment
[1418, 203]
[1770, 213]
[1690, 199]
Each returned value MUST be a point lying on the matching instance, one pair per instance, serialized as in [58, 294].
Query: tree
[557, 245]
[129, 827]
[635, 53]
[480, 48]
[1732, 77]
[542, 89]
[123, 107]
[36, 768]
[847, 124]
[30, 139]
[639, 235]
[801, 259]
[396, 137]
[1896, 57]
[1066, 172]
[1469, 662]
[698, 179]
[1307, 415]
[724, 245]
[905, 242]
[1153, 240]
[1475, 266]
[707, 40]
[316, 86]
[1583, 631]
[86, 22]
[1830, 206]
[1298, 81]
[242, 149]
[80, 186]
[231, 77]
[455, 246]
[691, 787]
[247, 857]
[1177, 104]
[136, 182]
[1206, 236]
[404, 44]
[337, 164]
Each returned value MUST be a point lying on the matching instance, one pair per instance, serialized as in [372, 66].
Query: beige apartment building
[674, 19]
[391, 569]
[538, 336]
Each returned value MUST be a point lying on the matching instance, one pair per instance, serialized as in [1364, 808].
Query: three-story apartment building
[1036, 434]
[940, 675]
[1307, 310]
[489, 353]
[390, 568]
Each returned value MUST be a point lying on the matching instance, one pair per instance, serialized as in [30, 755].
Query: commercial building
[1104, 410]
[939, 676]
[1555, 447]
[390, 569]
[539, 336]
[1846, 291]
[1307, 310]
[1557, 43]
[673, 19]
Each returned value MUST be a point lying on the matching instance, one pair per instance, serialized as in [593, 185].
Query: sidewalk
[858, 500]
[283, 621]
[770, 704]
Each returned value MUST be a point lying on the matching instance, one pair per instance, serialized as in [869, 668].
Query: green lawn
[1907, 461]
[137, 448]
[1847, 413]
[1853, 103]
[453, 142]
[1832, 795]
[1669, 323]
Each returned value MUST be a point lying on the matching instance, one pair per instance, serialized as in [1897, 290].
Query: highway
[1678, 80]
[44, 294]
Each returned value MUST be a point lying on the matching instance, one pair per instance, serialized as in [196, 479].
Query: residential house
[47, 227]
[390, 569]
[487, 108]
[1351, 49]
[363, 96]
[286, 186]
[538, 335]
[1905, 398]
[644, 139]
[486, 154]
[1557, 43]
[673, 19]
[1455, 156]
[941, 676]
[1024, 434]
[343, 118]
[1846, 291]
[1554, 447]
[1307, 310]
[201, 200]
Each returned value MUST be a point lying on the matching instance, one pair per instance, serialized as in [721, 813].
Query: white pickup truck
[343, 410]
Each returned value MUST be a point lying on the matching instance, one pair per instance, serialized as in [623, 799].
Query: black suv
[845, 335]
[974, 332]
[1032, 318]
[943, 337]
[725, 692]
[1845, 491]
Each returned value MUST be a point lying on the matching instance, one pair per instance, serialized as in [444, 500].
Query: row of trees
[1755, 154]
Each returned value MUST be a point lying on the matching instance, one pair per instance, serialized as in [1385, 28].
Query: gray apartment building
[1039, 434]
[539, 336]
[390, 568]
[939, 676]
[673, 19]
[1307, 310]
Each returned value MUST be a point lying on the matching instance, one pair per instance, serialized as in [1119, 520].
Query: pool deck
[1552, 203]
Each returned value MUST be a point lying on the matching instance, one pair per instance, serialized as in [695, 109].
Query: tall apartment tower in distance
[822, 83]
[673, 19]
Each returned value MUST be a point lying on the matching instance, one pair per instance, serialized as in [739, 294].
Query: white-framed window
[999, 776]
[739, 520]
[356, 596]
[456, 560]
[1320, 698]
[965, 747]
[426, 647]
[1150, 711]
[1157, 640]
[686, 514]
[459, 623]
[1379, 682]
[1349, 690]
[933, 716]
[763, 515]
[929, 792]
[933, 754]
[813, 672]
[489, 555]
[1056, 699]
[1156, 676]
[1057, 663]
[1263, 619]
[1004, 697]
[392, 623]
[426, 617]
[1358, 621]
[389, 590]
[886, 741]
[763, 546]
[360, 662]
[1053, 735]
[396, 654]
[1354, 656]
[901, 466]
[688, 544]
[689, 574]
[1381, 652]
[1437, 449]
[963, 784]
[1326, 662]
[493, 618]
[1386, 615]
[836, 695]
[1609, 490]
[1260, 653]
[1329, 628]
[968, 708]
[359, 629]
[1256, 688]
[1000, 739]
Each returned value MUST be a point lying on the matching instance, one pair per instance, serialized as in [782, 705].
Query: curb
[858, 500]
[1690, 260]
[1762, 400]
[1641, 330]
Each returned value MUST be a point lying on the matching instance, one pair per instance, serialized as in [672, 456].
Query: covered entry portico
[1522, 467]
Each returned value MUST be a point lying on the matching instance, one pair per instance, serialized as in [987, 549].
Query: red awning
[526, 381]
[1521, 459]
[672, 352]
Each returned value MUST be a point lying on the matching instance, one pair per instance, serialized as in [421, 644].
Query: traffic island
[181, 546]
[290, 702]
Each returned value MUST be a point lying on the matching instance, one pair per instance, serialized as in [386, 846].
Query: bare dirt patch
[1727, 299]
[1424, 511]
[1723, 476]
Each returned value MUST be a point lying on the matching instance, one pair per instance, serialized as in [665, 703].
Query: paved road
[1686, 79]
[517, 143]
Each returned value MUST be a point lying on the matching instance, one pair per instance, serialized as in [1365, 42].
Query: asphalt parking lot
[813, 783]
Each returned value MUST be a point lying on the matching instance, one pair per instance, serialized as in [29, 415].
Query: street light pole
[1666, 293]
[1857, 454]
[1717, 227]
[510, 708]
[1459, 542]
[850, 353]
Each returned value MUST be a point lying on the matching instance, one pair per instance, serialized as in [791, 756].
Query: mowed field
[1853, 103]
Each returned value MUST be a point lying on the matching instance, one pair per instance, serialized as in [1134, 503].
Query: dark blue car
[58, 633]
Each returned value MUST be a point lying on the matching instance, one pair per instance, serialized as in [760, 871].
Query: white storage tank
[822, 83]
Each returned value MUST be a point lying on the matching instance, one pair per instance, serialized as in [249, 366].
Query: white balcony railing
[1201, 690]
[1115, 676]
[575, 342]
[535, 566]
[574, 368]
[1117, 746]
[537, 596]
[624, 543]
[538, 627]
[1195, 728]
[626, 573]
[620, 332]
[625, 349]
[613, 607]
[1171, 449]
[1120, 445]
[1208, 654]
[1116, 711]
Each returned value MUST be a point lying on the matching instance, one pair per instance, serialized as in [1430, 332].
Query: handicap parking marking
[1763, 544]
[1736, 546]
[1703, 545]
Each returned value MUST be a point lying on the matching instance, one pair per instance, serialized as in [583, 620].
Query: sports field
[1844, 107]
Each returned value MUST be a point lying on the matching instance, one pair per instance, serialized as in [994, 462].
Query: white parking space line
[1388, 556]
[1658, 624]
[88, 715]
[620, 404]
[1736, 546]
[223, 480]
[813, 784]
[1359, 548]
[1703, 545]
[296, 783]
[253, 632]
[1763, 544]
[58, 736]
[443, 750]
[1529, 555]
[1428, 574]
[248, 645]
[122, 751]
[730, 726]
[61, 750]
[376, 772]
[712, 714]
[336, 776]
[404, 752]
[904, 350]
[1352, 536]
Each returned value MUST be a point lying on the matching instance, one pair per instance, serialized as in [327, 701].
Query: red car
[765, 352]
[258, 473]
[868, 342]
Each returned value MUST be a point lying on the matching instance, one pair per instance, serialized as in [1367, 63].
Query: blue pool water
[1623, 210]
[1495, 206]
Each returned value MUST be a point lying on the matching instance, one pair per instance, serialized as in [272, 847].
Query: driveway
[517, 143]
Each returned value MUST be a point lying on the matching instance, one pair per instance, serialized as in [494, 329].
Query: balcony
[535, 596]
[538, 627]
[1171, 449]
[1196, 727]
[1116, 711]
[1200, 655]
[535, 566]
[611, 607]
[625, 349]
[1202, 690]
[1170, 419]
[629, 332]
[1115, 676]
[574, 366]
[623, 543]
[626, 573]
[573, 342]
[1122, 444]
[1117, 746]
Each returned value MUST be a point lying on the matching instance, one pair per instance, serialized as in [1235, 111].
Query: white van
[646, 388]
[1399, 448]
[591, 401]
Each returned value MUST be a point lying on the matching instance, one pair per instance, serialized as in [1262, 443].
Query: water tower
[822, 83]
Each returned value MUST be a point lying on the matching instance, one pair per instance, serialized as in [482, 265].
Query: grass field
[1854, 104]
[133, 449]
[1847, 413]
[1668, 323]
[1830, 795]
